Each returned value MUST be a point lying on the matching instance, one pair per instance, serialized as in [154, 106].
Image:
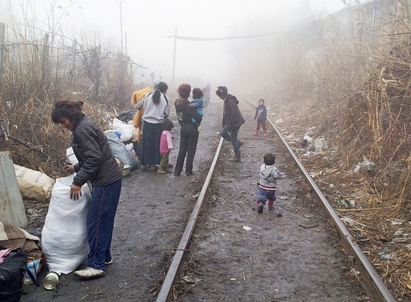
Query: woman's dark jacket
[185, 113]
[232, 117]
[96, 162]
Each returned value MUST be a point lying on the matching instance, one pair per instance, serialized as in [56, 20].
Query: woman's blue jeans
[100, 222]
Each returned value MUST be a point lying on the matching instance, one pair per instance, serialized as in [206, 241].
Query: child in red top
[166, 144]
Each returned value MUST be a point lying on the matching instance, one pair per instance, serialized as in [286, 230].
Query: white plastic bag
[64, 235]
[120, 151]
[126, 130]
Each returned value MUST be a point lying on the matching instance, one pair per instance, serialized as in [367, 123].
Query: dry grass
[357, 96]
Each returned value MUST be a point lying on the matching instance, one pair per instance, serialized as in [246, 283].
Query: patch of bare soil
[150, 220]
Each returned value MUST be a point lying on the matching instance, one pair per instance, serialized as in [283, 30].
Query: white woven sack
[64, 235]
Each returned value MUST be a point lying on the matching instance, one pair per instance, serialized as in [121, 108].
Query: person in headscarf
[156, 109]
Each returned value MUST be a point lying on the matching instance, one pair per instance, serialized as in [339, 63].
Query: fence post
[73, 63]
[2, 31]
[11, 202]
[95, 72]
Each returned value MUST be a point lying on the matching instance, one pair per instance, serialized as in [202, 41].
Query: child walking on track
[261, 116]
[268, 182]
[166, 144]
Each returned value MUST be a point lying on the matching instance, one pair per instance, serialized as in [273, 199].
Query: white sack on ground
[126, 130]
[120, 151]
[64, 235]
[33, 184]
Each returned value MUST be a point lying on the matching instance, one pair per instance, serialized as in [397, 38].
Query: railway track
[359, 265]
[227, 251]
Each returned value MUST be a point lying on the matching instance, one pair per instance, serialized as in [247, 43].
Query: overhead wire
[224, 38]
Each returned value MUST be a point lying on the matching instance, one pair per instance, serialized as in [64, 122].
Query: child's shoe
[256, 133]
[271, 204]
[260, 207]
[160, 171]
[265, 133]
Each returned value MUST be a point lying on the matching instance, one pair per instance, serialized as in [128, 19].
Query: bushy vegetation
[356, 85]
[37, 69]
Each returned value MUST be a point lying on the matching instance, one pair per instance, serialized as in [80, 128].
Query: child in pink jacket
[166, 144]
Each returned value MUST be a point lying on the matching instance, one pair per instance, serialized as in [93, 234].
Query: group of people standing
[156, 127]
[156, 142]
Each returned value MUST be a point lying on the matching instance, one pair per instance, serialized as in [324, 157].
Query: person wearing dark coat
[188, 130]
[232, 120]
[97, 166]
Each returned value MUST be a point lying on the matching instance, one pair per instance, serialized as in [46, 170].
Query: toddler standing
[166, 144]
[268, 182]
[261, 116]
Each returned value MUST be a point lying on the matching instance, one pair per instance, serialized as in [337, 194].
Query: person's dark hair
[68, 109]
[221, 90]
[197, 93]
[269, 159]
[161, 87]
[261, 100]
[167, 124]
[184, 90]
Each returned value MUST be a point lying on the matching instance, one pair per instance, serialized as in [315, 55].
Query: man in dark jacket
[232, 121]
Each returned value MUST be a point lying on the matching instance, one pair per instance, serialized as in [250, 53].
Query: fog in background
[144, 29]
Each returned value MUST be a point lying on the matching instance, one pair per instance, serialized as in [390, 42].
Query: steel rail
[185, 239]
[369, 278]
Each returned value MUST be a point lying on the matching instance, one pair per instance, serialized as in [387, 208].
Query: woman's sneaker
[108, 262]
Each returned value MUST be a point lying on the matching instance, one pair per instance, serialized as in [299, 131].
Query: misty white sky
[147, 25]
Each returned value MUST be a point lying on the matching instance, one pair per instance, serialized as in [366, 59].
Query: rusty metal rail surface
[185, 239]
[369, 279]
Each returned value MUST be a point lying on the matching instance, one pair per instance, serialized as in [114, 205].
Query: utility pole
[174, 59]
[121, 22]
